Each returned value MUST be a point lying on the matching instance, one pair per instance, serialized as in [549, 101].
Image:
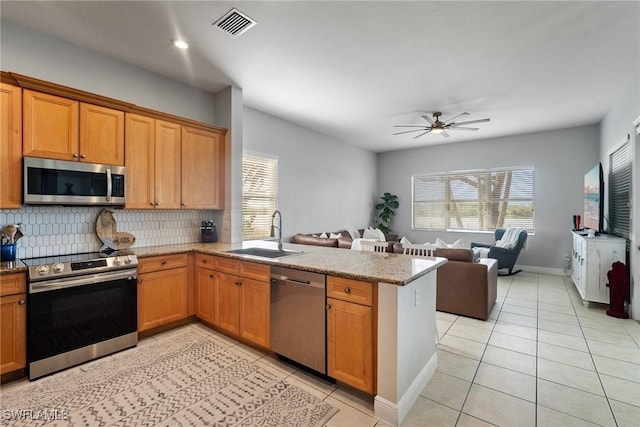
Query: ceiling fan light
[437, 130]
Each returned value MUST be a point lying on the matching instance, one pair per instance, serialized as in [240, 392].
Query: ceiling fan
[437, 126]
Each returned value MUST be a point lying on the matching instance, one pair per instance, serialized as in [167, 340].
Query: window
[474, 200]
[620, 191]
[259, 194]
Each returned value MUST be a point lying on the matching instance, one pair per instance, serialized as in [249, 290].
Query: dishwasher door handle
[289, 279]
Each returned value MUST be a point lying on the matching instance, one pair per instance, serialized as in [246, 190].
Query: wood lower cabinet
[55, 127]
[13, 322]
[242, 300]
[350, 333]
[206, 279]
[162, 291]
[10, 146]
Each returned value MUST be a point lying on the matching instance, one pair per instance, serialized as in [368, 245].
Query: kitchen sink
[264, 252]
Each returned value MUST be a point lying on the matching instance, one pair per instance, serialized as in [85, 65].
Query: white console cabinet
[591, 260]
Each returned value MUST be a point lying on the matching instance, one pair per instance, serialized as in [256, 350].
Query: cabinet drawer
[162, 263]
[206, 261]
[253, 270]
[227, 265]
[11, 284]
[350, 290]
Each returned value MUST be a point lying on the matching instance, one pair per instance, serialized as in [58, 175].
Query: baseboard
[542, 270]
[395, 413]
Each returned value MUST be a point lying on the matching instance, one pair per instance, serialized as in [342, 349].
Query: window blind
[620, 191]
[474, 200]
[259, 194]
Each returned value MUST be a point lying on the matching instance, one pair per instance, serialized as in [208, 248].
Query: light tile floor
[542, 359]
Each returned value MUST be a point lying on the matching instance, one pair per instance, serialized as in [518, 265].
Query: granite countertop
[395, 269]
[16, 266]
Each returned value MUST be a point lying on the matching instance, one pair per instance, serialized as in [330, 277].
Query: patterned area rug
[183, 380]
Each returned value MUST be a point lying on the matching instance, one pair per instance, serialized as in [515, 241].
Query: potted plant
[386, 211]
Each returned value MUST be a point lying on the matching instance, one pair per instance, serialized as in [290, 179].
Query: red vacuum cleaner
[619, 290]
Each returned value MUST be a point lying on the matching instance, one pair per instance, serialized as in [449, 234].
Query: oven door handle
[51, 285]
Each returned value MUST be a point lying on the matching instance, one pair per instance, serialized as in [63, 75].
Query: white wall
[33, 54]
[560, 157]
[324, 184]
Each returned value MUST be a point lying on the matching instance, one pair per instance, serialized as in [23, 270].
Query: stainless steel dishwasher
[298, 317]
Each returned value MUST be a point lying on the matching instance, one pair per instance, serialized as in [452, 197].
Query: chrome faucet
[279, 227]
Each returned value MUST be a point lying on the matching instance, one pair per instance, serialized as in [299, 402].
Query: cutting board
[105, 224]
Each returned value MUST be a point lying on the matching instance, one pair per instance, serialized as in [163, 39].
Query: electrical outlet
[417, 297]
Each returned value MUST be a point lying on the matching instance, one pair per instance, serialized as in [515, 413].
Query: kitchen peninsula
[380, 308]
[404, 328]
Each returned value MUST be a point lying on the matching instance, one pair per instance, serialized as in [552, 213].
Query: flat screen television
[593, 194]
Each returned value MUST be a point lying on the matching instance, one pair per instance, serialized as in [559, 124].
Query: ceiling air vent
[235, 22]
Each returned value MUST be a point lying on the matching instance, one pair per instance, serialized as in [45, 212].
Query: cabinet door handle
[211, 276]
[328, 307]
[139, 280]
[75, 155]
[238, 283]
[183, 204]
[347, 290]
[163, 262]
[83, 156]
[21, 302]
[152, 203]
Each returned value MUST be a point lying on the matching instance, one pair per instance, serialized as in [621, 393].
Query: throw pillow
[457, 244]
[354, 233]
[323, 235]
[441, 243]
[405, 241]
[380, 234]
[335, 236]
[370, 234]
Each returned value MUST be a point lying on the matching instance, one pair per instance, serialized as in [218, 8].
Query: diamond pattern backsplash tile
[57, 230]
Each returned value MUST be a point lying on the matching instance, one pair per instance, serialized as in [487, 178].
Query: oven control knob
[128, 259]
[58, 267]
[42, 269]
[117, 260]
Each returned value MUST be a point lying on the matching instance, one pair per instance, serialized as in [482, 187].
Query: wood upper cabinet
[101, 135]
[153, 163]
[168, 165]
[13, 322]
[350, 333]
[202, 169]
[50, 126]
[163, 291]
[10, 146]
[59, 128]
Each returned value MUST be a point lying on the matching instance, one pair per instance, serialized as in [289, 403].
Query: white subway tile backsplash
[57, 230]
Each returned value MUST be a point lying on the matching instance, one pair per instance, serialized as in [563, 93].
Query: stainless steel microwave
[60, 182]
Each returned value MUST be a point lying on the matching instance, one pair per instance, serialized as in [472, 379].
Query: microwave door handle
[109, 185]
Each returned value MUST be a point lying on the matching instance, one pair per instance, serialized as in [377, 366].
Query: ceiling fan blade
[455, 117]
[422, 134]
[413, 130]
[445, 134]
[461, 128]
[410, 126]
[429, 119]
[469, 122]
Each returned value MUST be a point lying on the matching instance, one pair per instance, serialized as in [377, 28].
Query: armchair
[506, 256]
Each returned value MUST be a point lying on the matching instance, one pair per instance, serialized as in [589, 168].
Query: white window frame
[259, 227]
[453, 222]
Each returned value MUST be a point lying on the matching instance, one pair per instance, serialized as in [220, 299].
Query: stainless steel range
[79, 307]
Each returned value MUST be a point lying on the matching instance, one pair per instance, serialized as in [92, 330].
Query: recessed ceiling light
[181, 44]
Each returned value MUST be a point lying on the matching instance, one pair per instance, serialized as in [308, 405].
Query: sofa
[465, 286]
[341, 242]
